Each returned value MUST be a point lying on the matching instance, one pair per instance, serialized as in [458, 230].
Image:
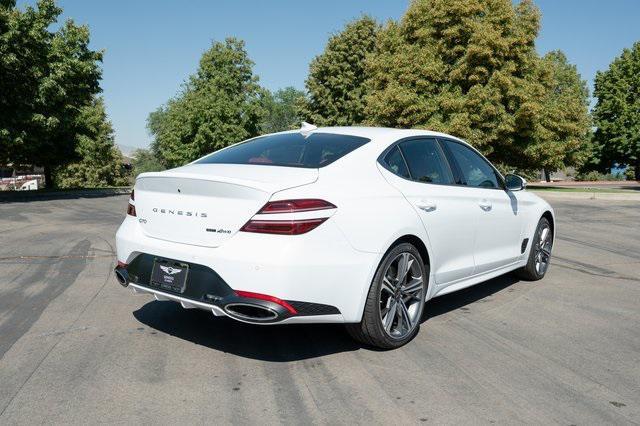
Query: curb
[587, 195]
[10, 196]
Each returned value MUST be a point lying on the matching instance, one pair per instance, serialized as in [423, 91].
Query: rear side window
[476, 171]
[288, 149]
[426, 161]
[396, 164]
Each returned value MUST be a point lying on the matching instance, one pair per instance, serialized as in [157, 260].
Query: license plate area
[169, 275]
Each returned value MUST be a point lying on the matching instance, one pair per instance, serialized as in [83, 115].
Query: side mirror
[514, 182]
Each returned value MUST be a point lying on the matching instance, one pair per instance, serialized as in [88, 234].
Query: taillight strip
[295, 206]
[259, 296]
[282, 227]
[296, 216]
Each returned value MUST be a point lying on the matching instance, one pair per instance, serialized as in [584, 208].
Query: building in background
[21, 178]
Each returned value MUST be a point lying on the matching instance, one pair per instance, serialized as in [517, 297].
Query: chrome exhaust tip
[251, 312]
[122, 276]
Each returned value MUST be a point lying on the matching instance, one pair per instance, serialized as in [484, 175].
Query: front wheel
[540, 254]
[396, 300]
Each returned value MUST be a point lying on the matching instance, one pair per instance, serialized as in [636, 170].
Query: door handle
[485, 205]
[427, 206]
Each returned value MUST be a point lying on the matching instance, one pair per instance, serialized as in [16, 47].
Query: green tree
[470, 68]
[336, 77]
[46, 78]
[563, 134]
[219, 105]
[100, 162]
[282, 110]
[144, 160]
[617, 111]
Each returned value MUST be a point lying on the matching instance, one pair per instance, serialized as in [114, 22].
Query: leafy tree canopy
[281, 110]
[100, 162]
[469, 68]
[617, 111]
[219, 105]
[144, 160]
[563, 129]
[46, 79]
[336, 77]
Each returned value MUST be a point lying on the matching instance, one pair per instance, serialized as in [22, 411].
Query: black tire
[531, 271]
[371, 331]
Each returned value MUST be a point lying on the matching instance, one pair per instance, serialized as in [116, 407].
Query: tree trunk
[547, 175]
[48, 177]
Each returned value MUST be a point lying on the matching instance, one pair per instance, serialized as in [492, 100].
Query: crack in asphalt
[627, 252]
[594, 271]
[61, 332]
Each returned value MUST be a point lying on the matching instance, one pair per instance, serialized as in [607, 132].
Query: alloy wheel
[401, 296]
[543, 250]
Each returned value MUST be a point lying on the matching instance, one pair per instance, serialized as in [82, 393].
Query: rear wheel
[396, 300]
[540, 254]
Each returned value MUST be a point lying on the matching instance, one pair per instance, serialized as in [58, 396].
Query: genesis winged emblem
[170, 270]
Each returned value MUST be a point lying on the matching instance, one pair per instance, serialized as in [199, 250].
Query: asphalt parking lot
[75, 347]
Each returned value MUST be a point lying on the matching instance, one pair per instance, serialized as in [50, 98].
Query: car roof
[383, 134]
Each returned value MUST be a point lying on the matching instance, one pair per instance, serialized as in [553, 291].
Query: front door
[418, 168]
[499, 227]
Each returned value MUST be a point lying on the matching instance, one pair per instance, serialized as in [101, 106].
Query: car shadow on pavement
[284, 343]
[460, 299]
[281, 343]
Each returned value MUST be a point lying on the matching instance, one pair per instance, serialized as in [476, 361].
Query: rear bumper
[309, 271]
[218, 311]
[206, 290]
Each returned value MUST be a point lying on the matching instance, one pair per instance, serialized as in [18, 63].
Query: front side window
[288, 149]
[476, 171]
[426, 161]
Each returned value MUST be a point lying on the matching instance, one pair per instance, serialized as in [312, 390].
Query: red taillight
[273, 299]
[282, 227]
[295, 206]
[290, 226]
[131, 210]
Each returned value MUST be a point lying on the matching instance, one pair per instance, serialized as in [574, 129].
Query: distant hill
[126, 150]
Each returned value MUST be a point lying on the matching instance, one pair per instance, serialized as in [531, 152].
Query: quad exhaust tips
[122, 276]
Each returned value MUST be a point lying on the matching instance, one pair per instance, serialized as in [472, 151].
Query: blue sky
[151, 46]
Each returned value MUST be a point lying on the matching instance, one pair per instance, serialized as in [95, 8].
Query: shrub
[594, 175]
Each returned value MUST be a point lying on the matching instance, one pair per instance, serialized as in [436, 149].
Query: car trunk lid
[206, 204]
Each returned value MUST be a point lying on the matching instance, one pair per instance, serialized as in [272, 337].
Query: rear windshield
[288, 149]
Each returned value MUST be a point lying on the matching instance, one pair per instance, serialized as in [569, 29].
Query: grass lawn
[589, 189]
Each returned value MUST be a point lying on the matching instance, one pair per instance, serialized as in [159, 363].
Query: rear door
[499, 227]
[419, 169]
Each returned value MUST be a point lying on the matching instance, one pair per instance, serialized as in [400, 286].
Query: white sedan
[348, 225]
